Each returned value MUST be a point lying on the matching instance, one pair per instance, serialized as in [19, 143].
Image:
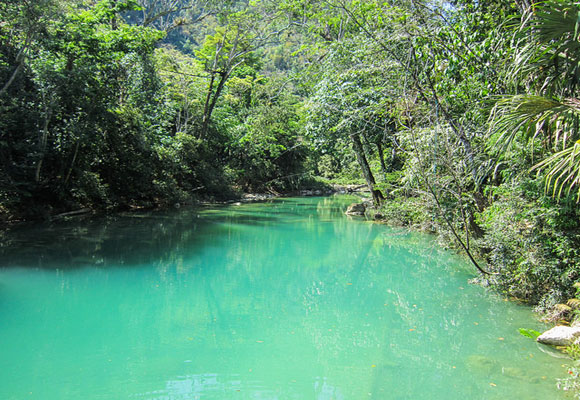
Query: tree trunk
[394, 161]
[72, 163]
[114, 23]
[43, 139]
[211, 105]
[382, 159]
[366, 170]
[20, 58]
[11, 80]
[206, 114]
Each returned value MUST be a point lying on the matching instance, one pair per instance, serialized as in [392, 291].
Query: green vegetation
[461, 118]
[530, 333]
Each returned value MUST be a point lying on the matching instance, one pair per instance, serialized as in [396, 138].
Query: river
[286, 299]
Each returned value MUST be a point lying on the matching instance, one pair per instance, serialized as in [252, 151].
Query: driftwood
[72, 213]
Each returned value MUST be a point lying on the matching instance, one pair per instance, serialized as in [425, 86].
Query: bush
[409, 211]
[533, 243]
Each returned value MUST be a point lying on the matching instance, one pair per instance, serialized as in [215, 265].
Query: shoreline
[90, 211]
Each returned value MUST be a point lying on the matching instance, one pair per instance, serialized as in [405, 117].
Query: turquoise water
[282, 300]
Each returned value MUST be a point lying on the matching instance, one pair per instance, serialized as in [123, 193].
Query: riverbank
[47, 212]
[531, 247]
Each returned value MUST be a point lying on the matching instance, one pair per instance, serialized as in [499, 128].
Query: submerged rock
[519, 374]
[481, 364]
[553, 352]
[356, 209]
[560, 336]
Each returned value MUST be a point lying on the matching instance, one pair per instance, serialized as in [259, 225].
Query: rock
[378, 216]
[481, 364]
[350, 188]
[559, 313]
[560, 336]
[574, 304]
[250, 197]
[356, 209]
[553, 352]
[514, 372]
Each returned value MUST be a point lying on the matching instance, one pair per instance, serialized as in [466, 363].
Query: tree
[431, 58]
[25, 24]
[263, 124]
[73, 88]
[168, 15]
[346, 104]
[233, 46]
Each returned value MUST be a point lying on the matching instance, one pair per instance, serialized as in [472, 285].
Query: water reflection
[288, 300]
[143, 237]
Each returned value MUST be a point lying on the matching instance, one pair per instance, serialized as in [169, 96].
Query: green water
[282, 300]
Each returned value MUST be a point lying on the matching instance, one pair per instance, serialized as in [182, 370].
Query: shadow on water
[142, 237]
[129, 239]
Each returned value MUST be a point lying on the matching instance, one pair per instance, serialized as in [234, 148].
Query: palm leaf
[549, 63]
[531, 115]
[549, 52]
[563, 171]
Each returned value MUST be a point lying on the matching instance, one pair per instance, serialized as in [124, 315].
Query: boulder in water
[560, 336]
[356, 209]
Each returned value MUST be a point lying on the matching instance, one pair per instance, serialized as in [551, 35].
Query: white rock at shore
[560, 336]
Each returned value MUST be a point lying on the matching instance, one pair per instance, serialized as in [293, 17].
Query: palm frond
[531, 115]
[549, 52]
[563, 171]
[556, 19]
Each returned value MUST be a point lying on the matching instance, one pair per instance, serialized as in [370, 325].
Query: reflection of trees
[129, 239]
[233, 288]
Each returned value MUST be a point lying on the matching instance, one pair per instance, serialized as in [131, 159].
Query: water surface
[288, 299]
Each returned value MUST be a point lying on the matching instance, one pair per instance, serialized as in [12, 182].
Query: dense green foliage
[476, 104]
[100, 112]
[460, 117]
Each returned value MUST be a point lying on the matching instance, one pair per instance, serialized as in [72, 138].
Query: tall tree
[234, 45]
